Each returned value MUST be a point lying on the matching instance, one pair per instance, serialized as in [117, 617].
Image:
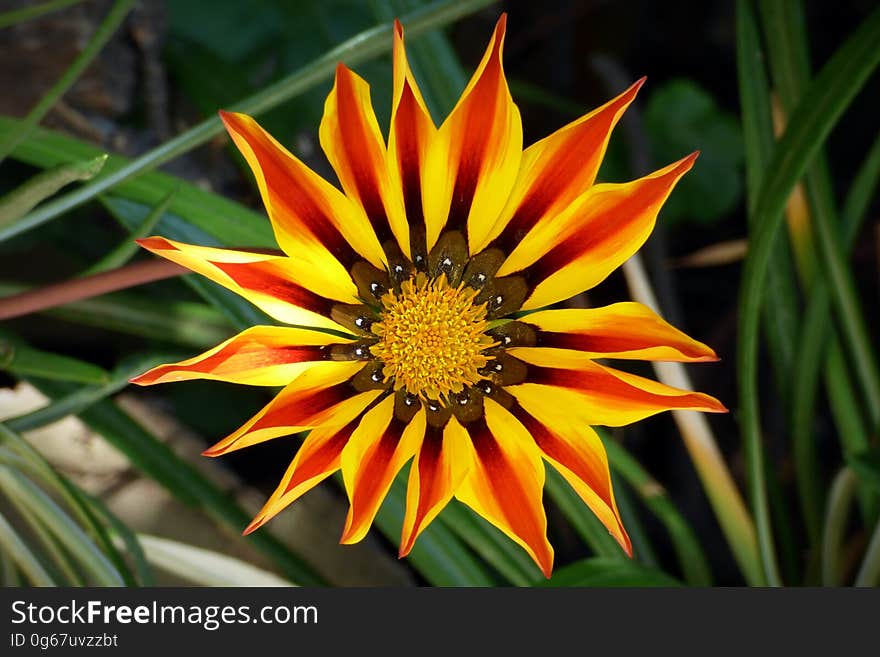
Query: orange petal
[621, 330]
[437, 470]
[378, 449]
[506, 480]
[579, 455]
[351, 139]
[594, 394]
[316, 460]
[272, 283]
[261, 355]
[474, 161]
[592, 237]
[311, 218]
[322, 394]
[558, 169]
[409, 139]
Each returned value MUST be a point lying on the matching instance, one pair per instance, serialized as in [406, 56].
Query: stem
[869, 573]
[90, 286]
[839, 500]
[724, 496]
[16, 16]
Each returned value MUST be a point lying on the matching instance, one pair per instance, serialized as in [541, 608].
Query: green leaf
[15, 547]
[24, 198]
[601, 571]
[809, 125]
[81, 399]
[866, 465]
[679, 116]
[126, 250]
[20, 359]
[91, 558]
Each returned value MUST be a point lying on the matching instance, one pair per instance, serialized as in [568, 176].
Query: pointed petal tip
[212, 451]
[398, 28]
[405, 549]
[154, 243]
[255, 524]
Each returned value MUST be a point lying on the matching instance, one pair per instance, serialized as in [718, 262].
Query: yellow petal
[311, 218]
[594, 394]
[621, 330]
[260, 356]
[438, 469]
[376, 452]
[557, 170]
[316, 460]
[505, 482]
[322, 394]
[595, 235]
[473, 163]
[276, 285]
[409, 140]
[353, 143]
[578, 454]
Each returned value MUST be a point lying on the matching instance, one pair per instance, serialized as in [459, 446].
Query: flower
[426, 260]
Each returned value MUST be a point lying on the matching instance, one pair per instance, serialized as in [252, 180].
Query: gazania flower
[426, 260]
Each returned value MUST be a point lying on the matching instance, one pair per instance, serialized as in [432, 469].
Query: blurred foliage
[679, 115]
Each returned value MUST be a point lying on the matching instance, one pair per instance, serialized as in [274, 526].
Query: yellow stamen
[432, 337]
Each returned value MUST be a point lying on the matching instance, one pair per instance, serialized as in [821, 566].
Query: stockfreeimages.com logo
[210, 617]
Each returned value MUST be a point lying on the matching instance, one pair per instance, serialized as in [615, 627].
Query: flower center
[431, 337]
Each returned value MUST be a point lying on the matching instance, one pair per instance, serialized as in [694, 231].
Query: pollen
[431, 337]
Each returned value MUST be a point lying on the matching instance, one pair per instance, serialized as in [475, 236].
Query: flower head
[438, 241]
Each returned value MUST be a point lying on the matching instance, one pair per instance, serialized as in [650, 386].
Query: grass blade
[16, 16]
[17, 550]
[26, 197]
[80, 546]
[690, 554]
[22, 360]
[820, 108]
[79, 400]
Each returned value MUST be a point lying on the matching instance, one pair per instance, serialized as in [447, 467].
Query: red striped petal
[353, 143]
[316, 460]
[592, 237]
[311, 218]
[261, 355]
[437, 470]
[621, 330]
[269, 282]
[378, 449]
[577, 452]
[320, 395]
[558, 169]
[594, 394]
[506, 480]
[475, 158]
